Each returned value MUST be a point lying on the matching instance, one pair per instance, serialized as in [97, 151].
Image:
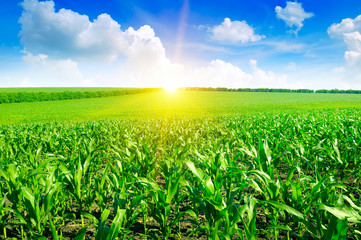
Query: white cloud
[293, 15]
[30, 58]
[219, 74]
[67, 34]
[56, 43]
[224, 74]
[51, 72]
[234, 31]
[268, 79]
[65, 69]
[353, 42]
[349, 31]
[348, 25]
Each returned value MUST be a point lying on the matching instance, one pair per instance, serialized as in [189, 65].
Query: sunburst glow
[171, 87]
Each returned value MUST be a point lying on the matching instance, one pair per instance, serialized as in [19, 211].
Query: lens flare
[181, 30]
[171, 87]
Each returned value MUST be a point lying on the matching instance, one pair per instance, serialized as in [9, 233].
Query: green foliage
[32, 96]
[282, 90]
[162, 104]
[264, 176]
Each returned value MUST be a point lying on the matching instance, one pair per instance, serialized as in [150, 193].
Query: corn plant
[292, 175]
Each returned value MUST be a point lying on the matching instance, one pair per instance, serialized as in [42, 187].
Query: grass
[179, 104]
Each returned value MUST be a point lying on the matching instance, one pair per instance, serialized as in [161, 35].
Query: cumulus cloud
[30, 58]
[56, 42]
[234, 31]
[348, 25]
[349, 31]
[268, 79]
[53, 71]
[293, 15]
[219, 74]
[224, 74]
[47, 34]
[68, 34]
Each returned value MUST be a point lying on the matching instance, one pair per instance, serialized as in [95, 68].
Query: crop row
[267, 177]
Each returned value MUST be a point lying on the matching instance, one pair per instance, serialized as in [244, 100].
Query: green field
[182, 165]
[165, 104]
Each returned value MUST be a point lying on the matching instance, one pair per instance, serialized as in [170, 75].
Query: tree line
[273, 90]
[17, 97]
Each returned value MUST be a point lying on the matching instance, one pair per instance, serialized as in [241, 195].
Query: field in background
[182, 165]
[168, 104]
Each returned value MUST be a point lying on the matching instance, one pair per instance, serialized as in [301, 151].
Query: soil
[72, 227]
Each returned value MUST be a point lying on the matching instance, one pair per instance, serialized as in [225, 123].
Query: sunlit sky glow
[228, 43]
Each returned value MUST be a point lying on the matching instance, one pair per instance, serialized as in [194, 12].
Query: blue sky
[259, 43]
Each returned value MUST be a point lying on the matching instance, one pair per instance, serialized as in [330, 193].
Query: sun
[171, 87]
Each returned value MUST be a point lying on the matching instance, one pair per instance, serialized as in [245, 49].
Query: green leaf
[331, 228]
[104, 215]
[91, 217]
[103, 230]
[209, 185]
[81, 234]
[173, 189]
[117, 224]
[285, 207]
[27, 194]
[342, 213]
[318, 185]
[198, 172]
[285, 228]
[53, 229]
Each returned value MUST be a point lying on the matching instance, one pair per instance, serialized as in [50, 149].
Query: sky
[229, 43]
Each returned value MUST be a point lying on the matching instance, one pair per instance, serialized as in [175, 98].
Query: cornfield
[267, 176]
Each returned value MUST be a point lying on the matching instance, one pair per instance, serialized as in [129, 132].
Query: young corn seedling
[341, 215]
[126, 196]
[280, 207]
[248, 211]
[78, 185]
[129, 203]
[142, 159]
[105, 232]
[15, 177]
[101, 189]
[37, 206]
[4, 215]
[166, 201]
[219, 211]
